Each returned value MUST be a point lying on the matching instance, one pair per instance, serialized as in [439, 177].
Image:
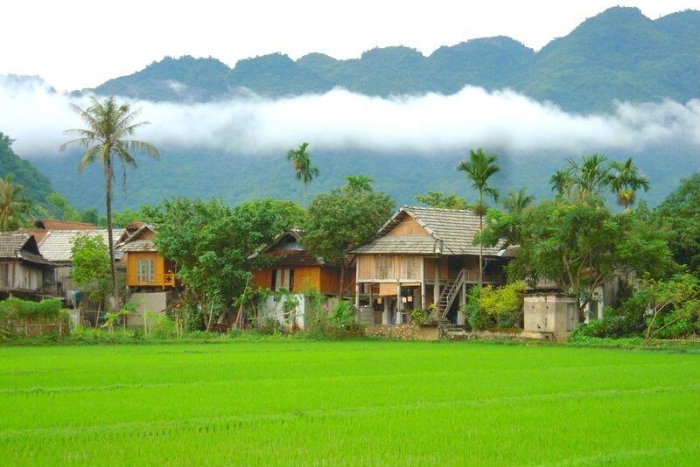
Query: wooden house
[146, 269]
[424, 258]
[293, 268]
[24, 272]
[56, 245]
[289, 266]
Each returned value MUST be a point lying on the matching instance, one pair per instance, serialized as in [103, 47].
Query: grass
[357, 403]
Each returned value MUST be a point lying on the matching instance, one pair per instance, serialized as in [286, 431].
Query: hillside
[36, 185]
[619, 55]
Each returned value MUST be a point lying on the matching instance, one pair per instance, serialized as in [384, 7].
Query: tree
[345, 218]
[669, 302]
[581, 244]
[517, 201]
[436, 199]
[479, 168]
[58, 207]
[212, 245]
[14, 206]
[625, 180]
[91, 268]
[561, 183]
[305, 172]
[589, 177]
[109, 125]
[679, 217]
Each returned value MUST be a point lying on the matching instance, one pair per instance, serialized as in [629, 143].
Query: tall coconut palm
[305, 172]
[479, 168]
[14, 206]
[624, 179]
[109, 126]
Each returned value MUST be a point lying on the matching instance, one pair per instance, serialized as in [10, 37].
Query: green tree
[589, 177]
[305, 172]
[479, 168]
[561, 183]
[345, 218]
[435, 199]
[581, 244]
[14, 206]
[679, 217]
[91, 268]
[212, 245]
[625, 180]
[58, 207]
[517, 201]
[109, 127]
[670, 301]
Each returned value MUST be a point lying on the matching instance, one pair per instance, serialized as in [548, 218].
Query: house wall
[408, 226]
[390, 268]
[324, 279]
[155, 302]
[161, 278]
[17, 276]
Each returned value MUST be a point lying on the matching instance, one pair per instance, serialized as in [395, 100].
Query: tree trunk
[110, 239]
[342, 280]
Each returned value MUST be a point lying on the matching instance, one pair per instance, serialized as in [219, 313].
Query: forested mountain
[617, 55]
[36, 185]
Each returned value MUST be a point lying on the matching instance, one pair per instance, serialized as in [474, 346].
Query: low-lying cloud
[35, 117]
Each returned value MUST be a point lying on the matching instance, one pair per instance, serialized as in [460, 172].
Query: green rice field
[356, 403]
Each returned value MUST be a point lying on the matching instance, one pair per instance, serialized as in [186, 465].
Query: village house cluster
[421, 258]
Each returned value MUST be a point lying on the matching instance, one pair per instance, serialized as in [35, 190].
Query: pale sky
[76, 44]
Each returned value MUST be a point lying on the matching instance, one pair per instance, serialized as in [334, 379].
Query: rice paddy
[358, 403]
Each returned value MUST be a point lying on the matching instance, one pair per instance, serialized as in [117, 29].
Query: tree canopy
[344, 218]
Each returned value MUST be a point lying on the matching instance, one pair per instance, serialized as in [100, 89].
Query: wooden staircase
[448, 295]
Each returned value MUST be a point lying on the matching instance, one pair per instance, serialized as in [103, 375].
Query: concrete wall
[550, 316]
[152, 301]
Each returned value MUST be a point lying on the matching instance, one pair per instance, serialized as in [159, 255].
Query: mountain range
[618, 55]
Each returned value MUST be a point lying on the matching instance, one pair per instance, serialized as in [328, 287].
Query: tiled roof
[139, 240]
[449, 232]
[51, 224]
[20, 245]
[56, 245]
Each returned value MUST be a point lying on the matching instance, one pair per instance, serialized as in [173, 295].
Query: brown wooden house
[424, 258]
[293, 268]
[24, 272]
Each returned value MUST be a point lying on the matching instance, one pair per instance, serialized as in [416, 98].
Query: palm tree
[561, 182]
[479, 168]
[305, 172]
[591, 176]
[625, 180]
[109, 125]
[517, 201]
[13, 204]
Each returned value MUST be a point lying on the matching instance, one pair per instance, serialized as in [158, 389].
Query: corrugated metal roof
[450, 232]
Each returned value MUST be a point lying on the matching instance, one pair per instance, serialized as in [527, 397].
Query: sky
[76, 44]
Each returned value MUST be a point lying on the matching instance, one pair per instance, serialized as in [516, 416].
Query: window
[282, 278]
[145, 270]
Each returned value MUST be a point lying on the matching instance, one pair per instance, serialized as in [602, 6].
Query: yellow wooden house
[146, 269]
